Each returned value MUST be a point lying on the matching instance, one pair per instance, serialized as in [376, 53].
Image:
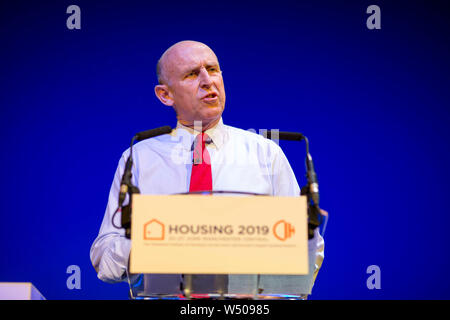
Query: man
[201, 154]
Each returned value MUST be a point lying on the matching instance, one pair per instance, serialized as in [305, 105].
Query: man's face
[195, 84]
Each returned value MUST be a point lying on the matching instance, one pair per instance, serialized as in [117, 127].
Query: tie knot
[201, 175]
[200, 140]
[199, 148]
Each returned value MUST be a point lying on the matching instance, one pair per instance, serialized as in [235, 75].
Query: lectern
[223, 245]
[19, 291]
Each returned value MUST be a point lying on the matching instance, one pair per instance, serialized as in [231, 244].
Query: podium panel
[197, 266]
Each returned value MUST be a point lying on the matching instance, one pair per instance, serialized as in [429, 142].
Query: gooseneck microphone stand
[126, 186]
[311, 189]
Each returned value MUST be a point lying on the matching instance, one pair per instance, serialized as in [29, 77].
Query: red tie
[201, 177]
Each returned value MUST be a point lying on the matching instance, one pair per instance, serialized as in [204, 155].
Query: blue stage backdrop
[373, 102]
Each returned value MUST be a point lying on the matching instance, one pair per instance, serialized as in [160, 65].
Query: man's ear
[163, 94]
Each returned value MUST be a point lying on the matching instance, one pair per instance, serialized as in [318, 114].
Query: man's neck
[199, 125]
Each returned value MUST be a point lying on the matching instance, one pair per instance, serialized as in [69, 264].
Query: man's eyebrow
[213, 64]
[190, 69]
[197, 68]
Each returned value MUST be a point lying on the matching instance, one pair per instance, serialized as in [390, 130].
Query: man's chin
[214, 105]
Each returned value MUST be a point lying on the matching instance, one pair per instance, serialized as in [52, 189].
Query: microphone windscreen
[153, 133]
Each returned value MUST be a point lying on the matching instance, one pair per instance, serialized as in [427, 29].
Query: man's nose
[205, 79]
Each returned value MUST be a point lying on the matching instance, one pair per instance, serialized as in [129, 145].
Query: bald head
[190, 81]
[172, 55]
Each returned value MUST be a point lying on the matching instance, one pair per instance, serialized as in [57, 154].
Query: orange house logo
[283, 230]
[154, 230]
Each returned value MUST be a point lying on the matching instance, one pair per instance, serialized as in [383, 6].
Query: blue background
[374, 104]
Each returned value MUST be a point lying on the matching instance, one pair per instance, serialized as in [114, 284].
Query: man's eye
[193, 73]
[212, 69]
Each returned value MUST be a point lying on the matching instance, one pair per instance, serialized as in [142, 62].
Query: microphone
[283, 135]
[153, 133]
[312, 178]
[125, 184]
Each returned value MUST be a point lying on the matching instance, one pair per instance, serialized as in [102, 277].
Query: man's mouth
[210, 97]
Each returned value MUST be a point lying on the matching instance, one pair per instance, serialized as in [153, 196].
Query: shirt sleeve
[285, 184]
[111, 249]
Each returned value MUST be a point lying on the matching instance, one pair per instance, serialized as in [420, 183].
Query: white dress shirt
[240, 161]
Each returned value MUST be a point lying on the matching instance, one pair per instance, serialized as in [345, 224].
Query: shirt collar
[187, 135]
